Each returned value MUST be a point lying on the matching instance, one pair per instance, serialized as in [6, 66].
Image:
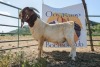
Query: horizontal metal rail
[10, 5]
[94, 45]
[93, 15]
[13, 34]
[30, 46]
[17, 47]
[9, 16]
[16, 40]
[8, 25]
[29, 40]
[7, 33]
[93, 40]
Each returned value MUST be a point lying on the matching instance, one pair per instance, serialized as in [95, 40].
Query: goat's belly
[56, 40]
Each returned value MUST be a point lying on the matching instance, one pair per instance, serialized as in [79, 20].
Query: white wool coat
[56, 33]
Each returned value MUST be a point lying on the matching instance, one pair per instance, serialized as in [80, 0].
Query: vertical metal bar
[18, 28]
[87, 19]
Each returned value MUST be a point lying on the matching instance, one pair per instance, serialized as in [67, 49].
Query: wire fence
[18, 26]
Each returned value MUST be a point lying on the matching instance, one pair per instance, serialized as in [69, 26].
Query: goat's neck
[39, 27]
[32, 20]
[39, 23]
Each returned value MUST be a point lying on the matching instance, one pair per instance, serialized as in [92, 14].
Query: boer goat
[42, 31]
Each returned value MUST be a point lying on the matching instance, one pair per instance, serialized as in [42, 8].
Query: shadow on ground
[61, 59]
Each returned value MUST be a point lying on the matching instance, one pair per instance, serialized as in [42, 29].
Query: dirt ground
[58, 57]
[85, 58]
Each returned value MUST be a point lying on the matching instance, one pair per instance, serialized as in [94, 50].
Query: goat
[42, 31]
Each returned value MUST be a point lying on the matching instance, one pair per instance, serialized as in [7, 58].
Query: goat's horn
[34, 9]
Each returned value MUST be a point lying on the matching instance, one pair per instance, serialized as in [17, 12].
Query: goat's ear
[22, 23]
[20, 17]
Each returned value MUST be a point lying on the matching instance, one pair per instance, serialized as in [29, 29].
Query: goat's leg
[40, 48]
[73, 48]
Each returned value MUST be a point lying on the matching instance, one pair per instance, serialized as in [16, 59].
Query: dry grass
[54, 57]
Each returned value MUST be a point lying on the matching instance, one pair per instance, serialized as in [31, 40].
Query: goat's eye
[27, 16]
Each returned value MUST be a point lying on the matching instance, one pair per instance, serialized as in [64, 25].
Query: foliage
[22, 31]
[95, 28]
[18, 59]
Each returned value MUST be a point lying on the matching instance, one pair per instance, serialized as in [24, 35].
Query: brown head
[28, 15]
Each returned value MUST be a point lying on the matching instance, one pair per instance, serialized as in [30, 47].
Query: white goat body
[42, 31]
[56, 33]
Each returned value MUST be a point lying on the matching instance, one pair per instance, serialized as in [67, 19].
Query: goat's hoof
[73, 58]
[70, 55]
[38, 57]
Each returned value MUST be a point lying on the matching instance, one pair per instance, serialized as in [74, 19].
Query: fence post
[87, 20]
[18, 28]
